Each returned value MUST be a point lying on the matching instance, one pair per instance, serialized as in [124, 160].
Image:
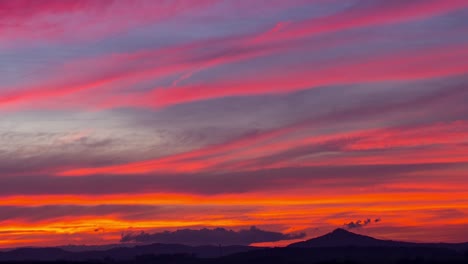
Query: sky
[127, 119]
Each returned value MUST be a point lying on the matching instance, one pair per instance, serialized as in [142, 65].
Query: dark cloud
[28, 151]
[214, 183]
[210, 236]
[130, 213]
[25, 152]
[360, 223]
[325, 106]
[39, 213]
[301, 151]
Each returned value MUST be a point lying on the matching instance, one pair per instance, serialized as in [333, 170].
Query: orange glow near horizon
[259, 209]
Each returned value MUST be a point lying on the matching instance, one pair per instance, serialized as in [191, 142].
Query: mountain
[339, 238]
[343, 238]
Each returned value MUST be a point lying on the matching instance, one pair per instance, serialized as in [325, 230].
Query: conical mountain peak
[341, 231]
[339, 237]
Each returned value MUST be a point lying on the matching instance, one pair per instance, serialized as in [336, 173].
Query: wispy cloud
[361, 223]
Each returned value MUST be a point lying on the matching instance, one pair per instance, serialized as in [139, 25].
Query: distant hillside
[119, 253]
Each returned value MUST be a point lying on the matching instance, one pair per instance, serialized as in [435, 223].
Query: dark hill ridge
[119, 253]
[43, 254]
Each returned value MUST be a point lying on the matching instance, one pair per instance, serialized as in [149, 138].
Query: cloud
[211, 236]
[378, 68]
[138, 66]
[277, 123]
[49, 212]
[226, 155]
[361, 223]
[370, 13]
[52, 20]
[227, 51]
[216, 183]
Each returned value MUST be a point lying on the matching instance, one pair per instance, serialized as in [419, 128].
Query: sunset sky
[294, 116]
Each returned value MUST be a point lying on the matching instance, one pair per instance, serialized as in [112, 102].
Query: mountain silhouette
[344, 238]
[340, 238]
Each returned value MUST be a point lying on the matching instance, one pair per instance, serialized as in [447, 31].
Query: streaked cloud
[292, 116]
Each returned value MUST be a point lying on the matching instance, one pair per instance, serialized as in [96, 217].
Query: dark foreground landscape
[339, 246]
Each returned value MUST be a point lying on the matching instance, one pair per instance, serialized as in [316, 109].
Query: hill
[119, 253]
[343, 238]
